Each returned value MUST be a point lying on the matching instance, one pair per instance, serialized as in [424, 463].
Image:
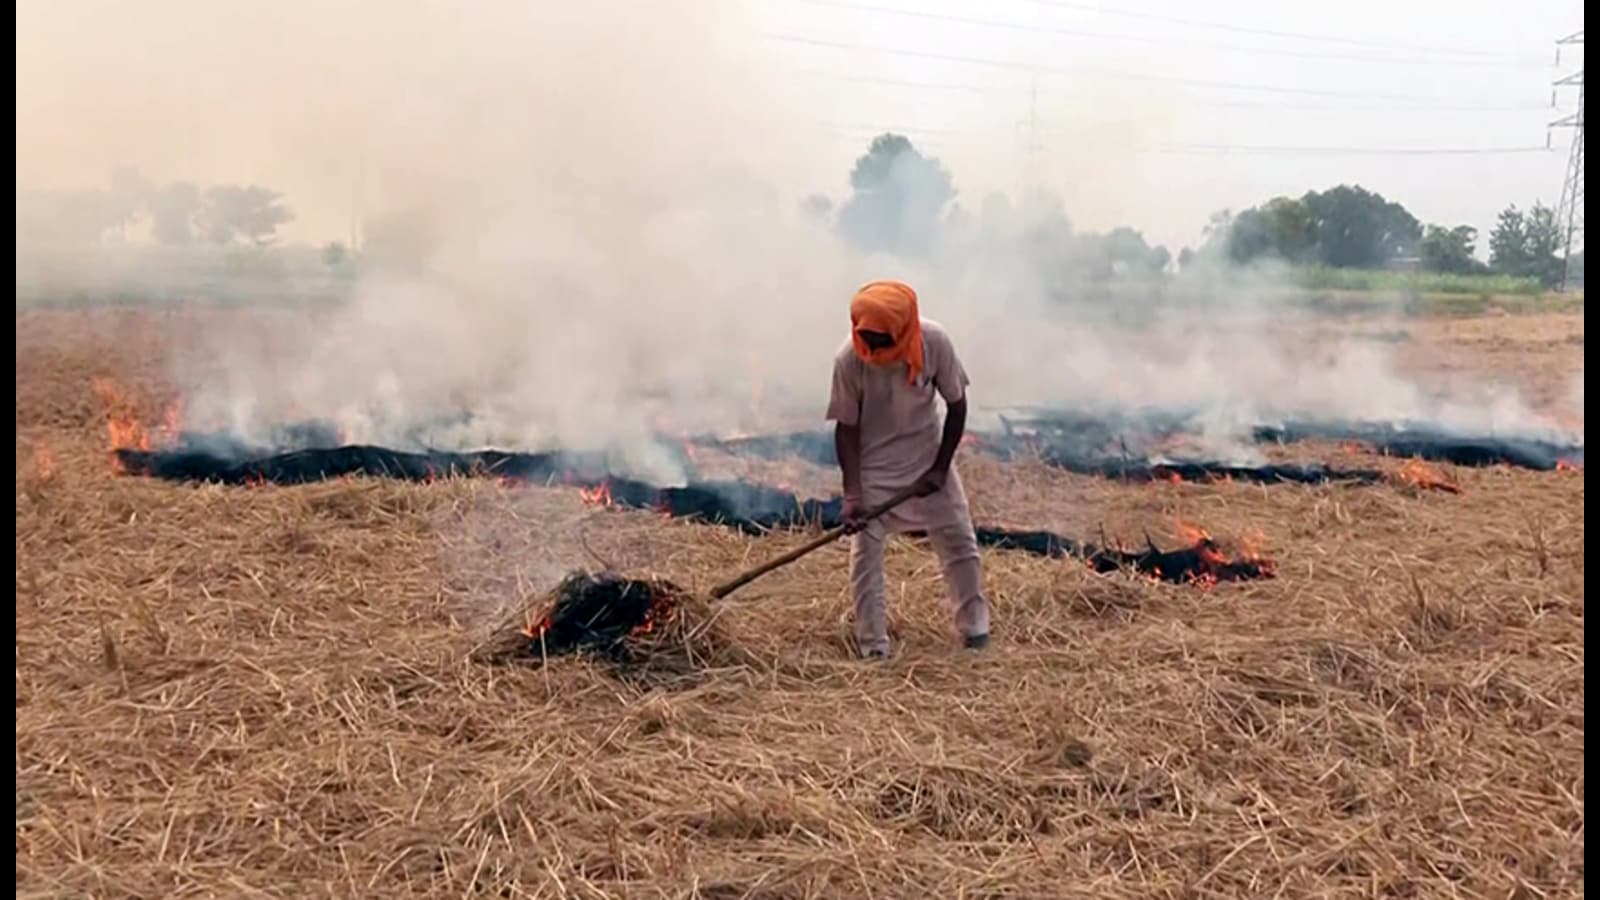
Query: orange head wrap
[889, 307]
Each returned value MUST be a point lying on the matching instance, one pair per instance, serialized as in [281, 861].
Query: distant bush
[1377, 281]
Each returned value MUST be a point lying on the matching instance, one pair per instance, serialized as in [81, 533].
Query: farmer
[888, 437]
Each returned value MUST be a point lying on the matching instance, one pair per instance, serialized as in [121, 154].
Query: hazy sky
[1138, 119]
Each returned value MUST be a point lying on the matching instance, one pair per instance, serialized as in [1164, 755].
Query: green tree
[1508, 242]
[1450, 249]
[1344, 226]
[1544, 245]
[1356, 228]
[248, 212]
[897, 199]
[1527, 245]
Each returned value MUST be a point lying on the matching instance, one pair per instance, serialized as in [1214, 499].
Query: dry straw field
[271, 692]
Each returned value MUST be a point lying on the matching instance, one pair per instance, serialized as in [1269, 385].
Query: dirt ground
[269, 691]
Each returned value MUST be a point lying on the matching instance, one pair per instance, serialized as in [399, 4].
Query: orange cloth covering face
[889, 307]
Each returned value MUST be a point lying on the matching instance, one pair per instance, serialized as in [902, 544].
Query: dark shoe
[976, 641]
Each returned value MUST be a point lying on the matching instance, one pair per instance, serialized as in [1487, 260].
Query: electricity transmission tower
[1029, 143]
[1570, 212]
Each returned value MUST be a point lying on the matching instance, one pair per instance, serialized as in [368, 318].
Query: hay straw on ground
[231, 692]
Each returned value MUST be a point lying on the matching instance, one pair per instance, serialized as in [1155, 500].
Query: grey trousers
[957, 547]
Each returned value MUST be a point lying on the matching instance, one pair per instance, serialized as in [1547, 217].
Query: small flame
[171, 422]
[536, 630]
[1174, 477]
[123, 427]
[1422, 475]
[1567, 465]
[599, 495]
[127, 434]
[1194, 534]
[663, 608]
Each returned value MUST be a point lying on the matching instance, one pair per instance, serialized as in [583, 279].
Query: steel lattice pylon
[1570, 212]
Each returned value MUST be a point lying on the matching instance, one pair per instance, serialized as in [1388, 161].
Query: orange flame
[1418, 473]
[599, 495]
[1567, 465]
[663, 608]
[127, 434]
[123, 427]
[1194, 534]
[171, 421]
[536, 630]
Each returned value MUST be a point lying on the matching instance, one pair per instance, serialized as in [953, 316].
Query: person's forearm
[955, 425]
[847, 446]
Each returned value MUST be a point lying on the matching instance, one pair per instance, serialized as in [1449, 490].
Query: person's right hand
[854, 515]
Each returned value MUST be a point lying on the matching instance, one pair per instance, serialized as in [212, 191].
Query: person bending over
[888, 437]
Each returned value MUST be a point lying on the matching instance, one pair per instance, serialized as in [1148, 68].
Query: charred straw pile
[643, 628]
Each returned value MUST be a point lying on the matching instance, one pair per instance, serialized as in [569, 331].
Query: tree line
[1350, 227]
[177, 214]
[904, 202]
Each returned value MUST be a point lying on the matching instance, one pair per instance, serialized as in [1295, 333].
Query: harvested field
[272, 691]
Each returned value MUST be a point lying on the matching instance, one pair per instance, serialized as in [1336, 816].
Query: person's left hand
[931, 482]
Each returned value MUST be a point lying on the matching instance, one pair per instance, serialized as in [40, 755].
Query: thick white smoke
[584, 227]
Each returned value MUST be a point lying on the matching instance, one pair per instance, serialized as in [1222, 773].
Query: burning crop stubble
[267, 683]
[226, 691]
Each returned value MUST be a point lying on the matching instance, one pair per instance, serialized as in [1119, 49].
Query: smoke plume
[581, 224]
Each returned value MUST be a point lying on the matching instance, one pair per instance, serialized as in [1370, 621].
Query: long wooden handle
[822, 540]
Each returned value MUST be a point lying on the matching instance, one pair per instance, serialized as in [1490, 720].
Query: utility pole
[1570, 212]
[1029, 139]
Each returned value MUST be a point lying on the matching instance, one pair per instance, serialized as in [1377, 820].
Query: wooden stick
[822, 540]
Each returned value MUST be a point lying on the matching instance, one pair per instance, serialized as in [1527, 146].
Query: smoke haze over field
[592, 223]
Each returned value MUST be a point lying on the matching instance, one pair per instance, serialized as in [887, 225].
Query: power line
[866, 130]
[1147, 39]
[1130, 76]
[1010, 88]
[1346, 151]
[1264, 32]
